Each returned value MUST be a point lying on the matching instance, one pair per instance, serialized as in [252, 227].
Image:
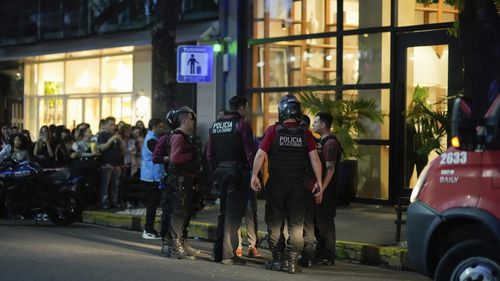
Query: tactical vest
[288, 155]
[321, 144]
[227, 143]
[185, 169]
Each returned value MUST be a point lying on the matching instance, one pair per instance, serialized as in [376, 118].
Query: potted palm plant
[426, 125]
[350, 120]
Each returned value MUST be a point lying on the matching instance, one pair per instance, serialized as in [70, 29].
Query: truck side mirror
[462, 131]
[492, 124]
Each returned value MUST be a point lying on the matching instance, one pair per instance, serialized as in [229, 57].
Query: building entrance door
[420, 115]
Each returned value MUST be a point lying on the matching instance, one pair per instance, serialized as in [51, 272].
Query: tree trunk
[164, 56]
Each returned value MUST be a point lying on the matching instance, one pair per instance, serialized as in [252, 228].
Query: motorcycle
[27, 190]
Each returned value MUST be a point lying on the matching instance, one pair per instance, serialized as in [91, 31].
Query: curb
[391, 257]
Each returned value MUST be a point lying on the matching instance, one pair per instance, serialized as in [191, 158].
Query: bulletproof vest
[226, 140]
[321, 144]
[188, 168]
[288, 154]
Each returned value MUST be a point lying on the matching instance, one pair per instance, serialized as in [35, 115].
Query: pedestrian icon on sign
[192, 62]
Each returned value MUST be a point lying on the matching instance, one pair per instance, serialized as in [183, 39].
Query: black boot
[305, 262]
[292, 263]
[178, 251]
[275, 263]
[165, 248]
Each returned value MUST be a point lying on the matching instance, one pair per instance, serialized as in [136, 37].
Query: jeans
[110, 183]
[250, 220]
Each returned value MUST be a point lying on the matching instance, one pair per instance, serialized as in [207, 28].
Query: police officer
[230, 152]
[289, 147]
[182, 171]
[330, 151]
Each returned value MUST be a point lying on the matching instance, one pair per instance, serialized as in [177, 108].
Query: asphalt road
[44, 252]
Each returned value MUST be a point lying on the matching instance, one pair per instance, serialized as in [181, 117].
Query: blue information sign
[194, 64]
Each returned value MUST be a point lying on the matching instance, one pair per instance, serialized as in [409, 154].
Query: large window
[116, 74]
[366, 58]
[373, 172]
[375, 131]
[320, 41]
[412, 13]
[82, 76]
[276, 18]
[51, 79]
[294, 63]
[265, 110]
[67, 89]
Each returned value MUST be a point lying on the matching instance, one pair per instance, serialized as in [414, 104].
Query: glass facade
[279, 18]
[412, 13]
[302, 44]
[33, 21]
[87, 86]
[427, 76]
[373, 172]
[366, 58]
[294, 63]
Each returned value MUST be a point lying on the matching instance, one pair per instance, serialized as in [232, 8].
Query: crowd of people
[169, 161]
[106, 158]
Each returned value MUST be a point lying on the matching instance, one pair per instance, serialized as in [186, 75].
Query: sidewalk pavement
[365, 233]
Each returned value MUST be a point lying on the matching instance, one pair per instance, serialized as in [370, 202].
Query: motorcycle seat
[59, 178]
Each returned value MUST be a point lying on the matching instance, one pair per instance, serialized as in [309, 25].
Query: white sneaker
[151, 235]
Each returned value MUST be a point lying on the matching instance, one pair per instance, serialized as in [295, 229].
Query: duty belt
[238, 165]
[185, 175]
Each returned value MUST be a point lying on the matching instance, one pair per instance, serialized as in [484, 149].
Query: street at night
[283, 139]
[45, 252]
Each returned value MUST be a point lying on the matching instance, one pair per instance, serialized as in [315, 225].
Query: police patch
[290, 141]
[223, 127]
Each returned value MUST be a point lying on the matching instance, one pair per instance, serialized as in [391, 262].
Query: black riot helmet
[173, 116]
[289, 107]
[170, 119]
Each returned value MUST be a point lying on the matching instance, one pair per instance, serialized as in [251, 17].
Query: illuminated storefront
[367, 51]
[86, 86]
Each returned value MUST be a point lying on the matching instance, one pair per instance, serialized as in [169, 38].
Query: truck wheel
[470, 260]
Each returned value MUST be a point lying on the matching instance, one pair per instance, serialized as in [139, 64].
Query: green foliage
[50, 88]
[458, 3]
[349, 116]
[425, 125]
[453, 31]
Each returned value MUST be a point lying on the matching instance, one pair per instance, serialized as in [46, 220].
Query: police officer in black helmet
[182, 171]
[289, 148]
[230, 152]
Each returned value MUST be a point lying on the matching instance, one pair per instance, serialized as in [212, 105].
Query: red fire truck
[453, 221]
